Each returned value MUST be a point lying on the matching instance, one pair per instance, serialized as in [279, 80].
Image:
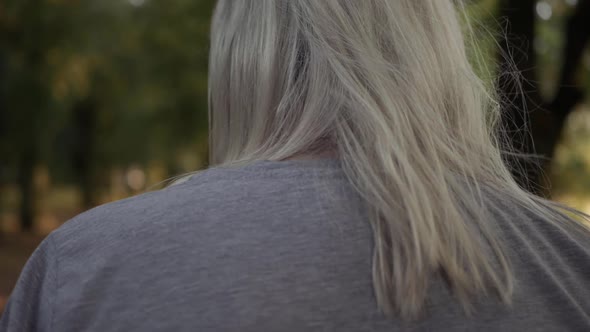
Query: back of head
[387, 85]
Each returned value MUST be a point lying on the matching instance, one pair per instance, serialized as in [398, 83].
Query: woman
[358, 186]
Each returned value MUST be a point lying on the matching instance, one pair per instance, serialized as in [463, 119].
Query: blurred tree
[93, 85]
[84, 116]
[544, 117]
[27, 29]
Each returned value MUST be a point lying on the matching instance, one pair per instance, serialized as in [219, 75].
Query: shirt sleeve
[30, 307]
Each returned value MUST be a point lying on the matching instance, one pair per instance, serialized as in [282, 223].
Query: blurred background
[105, 99]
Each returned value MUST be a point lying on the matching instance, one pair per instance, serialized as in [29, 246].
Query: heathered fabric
[274, 246]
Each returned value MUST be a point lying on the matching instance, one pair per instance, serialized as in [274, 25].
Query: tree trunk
[27, 189]
[29, 155]
[519, 96]
[569, 92]
[84, 123]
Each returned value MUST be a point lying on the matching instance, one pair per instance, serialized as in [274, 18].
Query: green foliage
[139, 71]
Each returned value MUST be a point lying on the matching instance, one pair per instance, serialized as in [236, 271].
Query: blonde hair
[388, 85]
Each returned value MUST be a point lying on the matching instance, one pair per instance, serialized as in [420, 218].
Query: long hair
[388, 86]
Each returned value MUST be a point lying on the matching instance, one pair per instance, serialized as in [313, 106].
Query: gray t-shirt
[274, 246]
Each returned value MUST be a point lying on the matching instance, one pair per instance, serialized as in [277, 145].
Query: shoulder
[207, 206]
[189, 201]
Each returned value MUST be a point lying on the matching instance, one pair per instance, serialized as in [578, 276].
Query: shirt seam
[261, 174]
[56, 283]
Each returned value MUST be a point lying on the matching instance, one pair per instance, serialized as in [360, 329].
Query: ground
[15, 249]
